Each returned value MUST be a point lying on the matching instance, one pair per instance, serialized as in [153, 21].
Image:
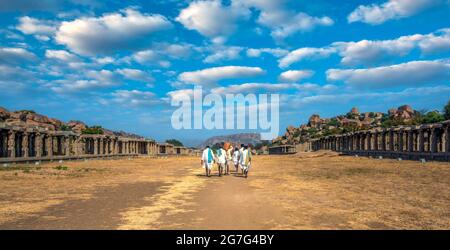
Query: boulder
[354, 110]
[314, 121]
[76, 126]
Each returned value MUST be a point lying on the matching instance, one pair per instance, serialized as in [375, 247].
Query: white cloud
[135, 98]
[406, 74]
[136, 75]
[372, 52]
[254, 88]
[65, 86]
[41, 29]
[282, 21]
[393, 9]
[15, 55]
[222, 53]
[276, 52]
[372, 98]
[110, 33]
[212, 19]
[61, 55]
[436, 43]
[211, 76]
[305, 53]
[295, 75]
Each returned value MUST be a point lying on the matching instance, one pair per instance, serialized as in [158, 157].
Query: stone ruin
[429, 142]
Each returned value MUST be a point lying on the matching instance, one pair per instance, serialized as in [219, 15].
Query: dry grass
[319, 190]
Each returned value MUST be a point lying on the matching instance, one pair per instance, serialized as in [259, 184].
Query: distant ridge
[243, 138]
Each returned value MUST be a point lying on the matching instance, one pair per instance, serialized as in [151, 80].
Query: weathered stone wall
[430, 142]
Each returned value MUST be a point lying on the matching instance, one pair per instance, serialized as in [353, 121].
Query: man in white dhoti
[247, 160]
[236, 154]
[207, 160]
[241, 158]
[221, 156]
[230, 151]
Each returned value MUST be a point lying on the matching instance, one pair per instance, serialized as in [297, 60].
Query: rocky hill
[353, 121]
[30, 119]
[244, 138]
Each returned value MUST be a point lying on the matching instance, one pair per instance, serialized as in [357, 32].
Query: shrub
[94, 130]
[61, 167]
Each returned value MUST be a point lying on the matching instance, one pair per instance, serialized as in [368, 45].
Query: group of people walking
[225, 156]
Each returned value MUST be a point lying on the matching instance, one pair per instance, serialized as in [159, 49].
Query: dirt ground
[320, 190]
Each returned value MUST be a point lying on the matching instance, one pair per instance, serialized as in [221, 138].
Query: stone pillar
[96, 146]
[12, 144]
[447, 138]
[369, 141]
[38, 147]
[49, 145]
[433, 140]
[400, 140]
[67, 145]
[101, 146]
[410, 141]
[55, 145]
[375, 141]
[25, 152]
[421, 140]
[383, 140]
[107, 146]
[391, 140]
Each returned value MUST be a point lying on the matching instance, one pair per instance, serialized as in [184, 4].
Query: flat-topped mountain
[243, 138]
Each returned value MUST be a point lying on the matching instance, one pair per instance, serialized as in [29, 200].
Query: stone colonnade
[431, 142]
[19, 144]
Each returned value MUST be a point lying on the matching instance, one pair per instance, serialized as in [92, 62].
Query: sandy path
[193, 202]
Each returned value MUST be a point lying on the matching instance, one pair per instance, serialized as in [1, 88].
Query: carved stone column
[447, 138]
[383, 140]
[391, 140]
[421, 140]
[38, 142]
[375, 141]
[25, 145]
[369, 141]
[400, 140]
[96, 146]
[12, 144]
[49, 145]
[67, 145]
[410, 141]
[433, 140]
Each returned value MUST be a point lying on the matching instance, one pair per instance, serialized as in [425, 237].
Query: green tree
[175, 142]
[447, 111]
[333, 122]
[433, 117]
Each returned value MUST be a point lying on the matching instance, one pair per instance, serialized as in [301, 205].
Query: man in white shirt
[207, 160]
[247, 160]
[241, 157]
[221, 156]
[236, 154]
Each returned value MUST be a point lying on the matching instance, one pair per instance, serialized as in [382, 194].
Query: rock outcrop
[353, 120]
[30, 119]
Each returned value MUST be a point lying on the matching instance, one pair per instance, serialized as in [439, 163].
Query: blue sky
[119, 63]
